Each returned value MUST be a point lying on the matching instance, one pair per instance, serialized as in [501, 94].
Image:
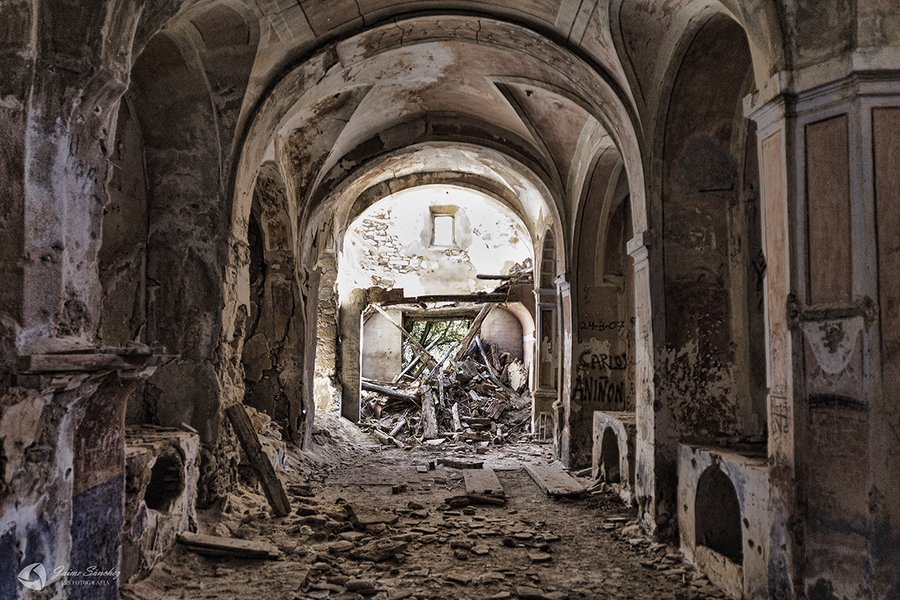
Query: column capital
[638, 246]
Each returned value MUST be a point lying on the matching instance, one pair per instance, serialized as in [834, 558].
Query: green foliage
[437, 336]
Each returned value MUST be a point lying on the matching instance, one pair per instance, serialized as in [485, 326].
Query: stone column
[655, 444]
[828, 157]
[350, 313]
[775, 143]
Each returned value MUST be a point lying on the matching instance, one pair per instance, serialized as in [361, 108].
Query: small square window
[443, 230]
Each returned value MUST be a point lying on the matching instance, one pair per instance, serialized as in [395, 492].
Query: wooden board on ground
[460, 464]
[554, 481]
[246, 435]
[482, 482]
[223, 546]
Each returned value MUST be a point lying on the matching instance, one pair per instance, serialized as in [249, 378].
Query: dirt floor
[377, 527]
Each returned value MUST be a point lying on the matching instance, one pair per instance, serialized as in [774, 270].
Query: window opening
[437, 336]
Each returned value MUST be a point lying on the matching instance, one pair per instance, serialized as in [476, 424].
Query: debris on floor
[373, 521]
[480, 398]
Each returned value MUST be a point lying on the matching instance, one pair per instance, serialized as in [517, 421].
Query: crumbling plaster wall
[63, 435]
[382, 347]
[63, 481]
[327, 387]
[273, 355]
[186, 93]
[391, 245]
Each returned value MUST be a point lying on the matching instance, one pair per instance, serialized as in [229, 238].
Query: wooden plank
[486, 499]
[371, 387]
[459, 464]
[554, 481]
[223, 546]
[482, 482]
[429, 417]
[454, 413]
[246, 435]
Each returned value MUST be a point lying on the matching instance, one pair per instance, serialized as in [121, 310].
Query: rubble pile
[481, 397]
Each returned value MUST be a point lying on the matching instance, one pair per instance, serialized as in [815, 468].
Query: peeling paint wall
[382, 347]
[392, 244]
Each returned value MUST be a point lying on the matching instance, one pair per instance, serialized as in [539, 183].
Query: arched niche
[713, 367]
[717, 515]
[610, 468]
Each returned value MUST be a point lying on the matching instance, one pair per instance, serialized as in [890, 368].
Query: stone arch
[322, 93]
[700, 162]
[504, 328]
[595, 88]
[603, 303]
[648, 68]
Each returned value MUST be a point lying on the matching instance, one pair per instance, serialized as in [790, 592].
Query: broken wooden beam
[271, 484]
[389, 299]
[498, 500]
[222, 546]
[454, 413]
[445, 313]
[438, 365]
[485, 277]
[474, 328]
[415, 361]
[490, 369]
[429, 417]
[371, 387]
[386, 439]
[398, 427]
[459, 464]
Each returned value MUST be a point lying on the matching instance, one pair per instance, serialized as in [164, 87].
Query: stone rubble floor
[407, 543]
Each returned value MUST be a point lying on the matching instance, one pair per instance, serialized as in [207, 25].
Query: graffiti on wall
[600, 378]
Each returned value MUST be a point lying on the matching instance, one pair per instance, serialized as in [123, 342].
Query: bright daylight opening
[433, 240]
[443, 351]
